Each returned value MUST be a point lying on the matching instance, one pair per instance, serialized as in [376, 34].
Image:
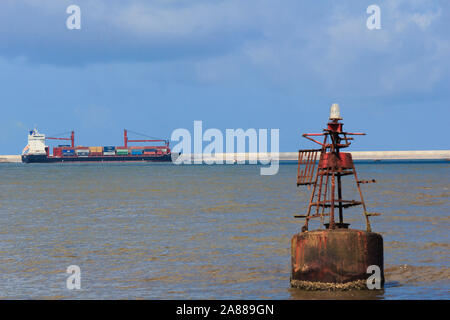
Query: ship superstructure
[36, 143]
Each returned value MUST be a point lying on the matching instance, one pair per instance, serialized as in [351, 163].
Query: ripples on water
[204, 232]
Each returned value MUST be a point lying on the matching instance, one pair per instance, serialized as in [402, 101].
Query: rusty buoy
[334, 258]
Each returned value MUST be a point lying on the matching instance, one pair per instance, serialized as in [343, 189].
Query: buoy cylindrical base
[335, 259]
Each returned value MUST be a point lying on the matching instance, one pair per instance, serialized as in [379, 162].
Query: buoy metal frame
[332, 165]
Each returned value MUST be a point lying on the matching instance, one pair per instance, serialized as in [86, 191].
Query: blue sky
[154, 66]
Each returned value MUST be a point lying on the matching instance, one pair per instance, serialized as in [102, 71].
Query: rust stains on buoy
[334, 258]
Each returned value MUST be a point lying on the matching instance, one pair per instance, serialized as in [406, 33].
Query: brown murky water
[141, 231]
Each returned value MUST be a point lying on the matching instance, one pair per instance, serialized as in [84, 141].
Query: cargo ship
[37, 151]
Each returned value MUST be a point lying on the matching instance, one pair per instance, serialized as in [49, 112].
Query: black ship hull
[132, 158]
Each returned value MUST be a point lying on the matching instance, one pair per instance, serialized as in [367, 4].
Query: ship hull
[133, 158]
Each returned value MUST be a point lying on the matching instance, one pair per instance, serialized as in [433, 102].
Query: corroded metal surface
[335, 256]
[326, 181]
[341, 160]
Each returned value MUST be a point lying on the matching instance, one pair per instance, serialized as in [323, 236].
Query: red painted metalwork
[71, 139]
[126, 140]
[308, 159]
[343, 160]
[57, 152]
[326, 183]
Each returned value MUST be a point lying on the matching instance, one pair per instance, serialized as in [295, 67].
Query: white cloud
[424, 20]
[194, 20]
[345, 58]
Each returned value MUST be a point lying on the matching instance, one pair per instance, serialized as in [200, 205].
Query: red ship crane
[126, 140]
[332, 165]
[71, 139]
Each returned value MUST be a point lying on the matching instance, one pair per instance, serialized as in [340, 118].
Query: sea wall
[356, 155]
[9, 159]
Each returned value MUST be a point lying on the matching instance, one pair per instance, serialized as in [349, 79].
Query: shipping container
[68, 152]
[122, 152]
[136, 152]
[109, 149]
[57, 152]
[109, 153]
[63, 145]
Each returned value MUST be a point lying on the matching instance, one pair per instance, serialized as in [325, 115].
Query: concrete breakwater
[356, 155]
[10, 159]
[293, 156]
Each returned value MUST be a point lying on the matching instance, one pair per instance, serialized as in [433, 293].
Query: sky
[155, 66]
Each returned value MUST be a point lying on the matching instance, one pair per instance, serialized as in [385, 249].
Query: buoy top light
[335, 113]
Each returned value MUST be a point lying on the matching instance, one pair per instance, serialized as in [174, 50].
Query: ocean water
[160, 231]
